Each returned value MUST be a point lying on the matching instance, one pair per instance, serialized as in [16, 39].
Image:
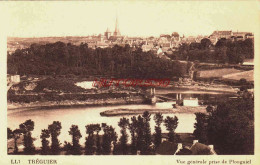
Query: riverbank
[179, 109]
[75, 103]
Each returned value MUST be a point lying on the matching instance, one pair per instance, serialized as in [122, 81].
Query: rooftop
[201, 149]
[222, 32]
[190, 98]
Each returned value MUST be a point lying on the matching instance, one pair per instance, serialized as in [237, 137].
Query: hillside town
[109, 85]
[165, 43]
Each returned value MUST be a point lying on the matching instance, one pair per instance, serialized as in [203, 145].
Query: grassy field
[248, 75]
[217, 73]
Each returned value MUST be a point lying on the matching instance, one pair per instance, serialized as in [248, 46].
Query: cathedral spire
[116, 28]
[116, 32]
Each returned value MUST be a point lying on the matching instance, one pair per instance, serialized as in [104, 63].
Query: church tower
[116, 32]
[107, 33]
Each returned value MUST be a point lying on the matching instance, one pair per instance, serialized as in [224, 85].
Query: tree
[200, 126]
[54, 130]
[242, 81]
[221, 42]
[182, 70]
[26, 129]
[147, 133]
[60, 58]
[15, 134]
[76, 135]
[231, 127]
[158, 118]
[205, 43]
[124, 137]
[45, 143]
[9, 133]
[222, 54]
[171, 124]
[248, 48]
[68, 148]
[210, 109]
[133, 128]
[108, 137]
[97, 129]
[140, 133]
[90, 143]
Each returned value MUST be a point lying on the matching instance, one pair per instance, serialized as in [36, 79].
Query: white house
[14, 79]
[190, 102]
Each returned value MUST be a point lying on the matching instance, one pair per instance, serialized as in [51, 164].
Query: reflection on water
[88, 115]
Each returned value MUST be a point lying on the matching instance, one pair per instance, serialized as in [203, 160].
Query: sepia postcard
[129, 82]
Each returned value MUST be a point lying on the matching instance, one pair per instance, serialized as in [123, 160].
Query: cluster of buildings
[164, 44]
[234, 36]
[12, 46]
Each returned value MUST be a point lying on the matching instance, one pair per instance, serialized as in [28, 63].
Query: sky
[81, 18]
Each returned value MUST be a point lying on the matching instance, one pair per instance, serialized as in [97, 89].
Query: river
[91, 115]
[88, 115]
